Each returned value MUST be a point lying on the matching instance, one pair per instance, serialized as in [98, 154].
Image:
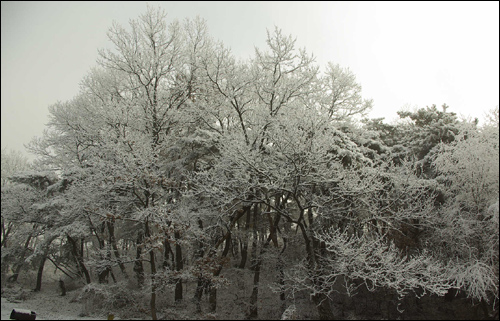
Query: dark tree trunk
[116, 252]
[20, 262]
[62, 287]
[138, 267]
[168, 255]
[153, 276]
[179, 265]
[256, 263]
[212, 299]
[255, 238]
[313, 249]
[39, 275]
[103, 273]
[244, 248]
[320, 299]
[103, 269]
[280, 203]
[253, 310]
[281, 277]
[200, 286]
[6, 232]
[201, 282]
[78, 255]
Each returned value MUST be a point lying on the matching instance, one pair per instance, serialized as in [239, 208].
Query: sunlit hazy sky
[404, 54]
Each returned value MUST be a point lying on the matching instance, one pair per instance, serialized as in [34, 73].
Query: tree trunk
[280, 265]
[178, 267]
[20, 262]
[103, 269]
[253, 310]
[256, 263]
[167, 252]
[153, 275]
[320, 299]
[39, 275]
[5, 232]
[62, 287]
[112, 241]
[212, 299]
[138, 267]
[38, 286]
[244, 249]
[201, 282]
[103, 272]
[78, 255]
[255, 238]
[281, 277]
[200, 286]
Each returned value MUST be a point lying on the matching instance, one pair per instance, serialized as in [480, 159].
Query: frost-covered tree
[12, 163]
[17, 228]
[469, 175]
[284, 180]
[341, 95]
[425, 130]
[129, 138]
[368, 235]
[26, 201]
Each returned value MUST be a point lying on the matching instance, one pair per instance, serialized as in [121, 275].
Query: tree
[341, 95]
[12, 163]
[468, 174]
[428, 127]
[32, 206]
[366, 235]
[18, 230]
[127, 135]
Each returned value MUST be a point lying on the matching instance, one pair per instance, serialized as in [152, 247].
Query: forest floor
[48, 304]
[232, 302]
[46, 307]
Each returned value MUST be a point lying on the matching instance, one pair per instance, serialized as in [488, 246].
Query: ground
[48, 304]
[47, 307]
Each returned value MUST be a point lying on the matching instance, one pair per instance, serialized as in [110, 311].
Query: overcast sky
[405, 55]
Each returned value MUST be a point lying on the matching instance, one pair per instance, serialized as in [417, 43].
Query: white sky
[404, 54]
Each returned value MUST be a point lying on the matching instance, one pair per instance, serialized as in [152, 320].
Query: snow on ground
[47, 307]
[48, 304]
